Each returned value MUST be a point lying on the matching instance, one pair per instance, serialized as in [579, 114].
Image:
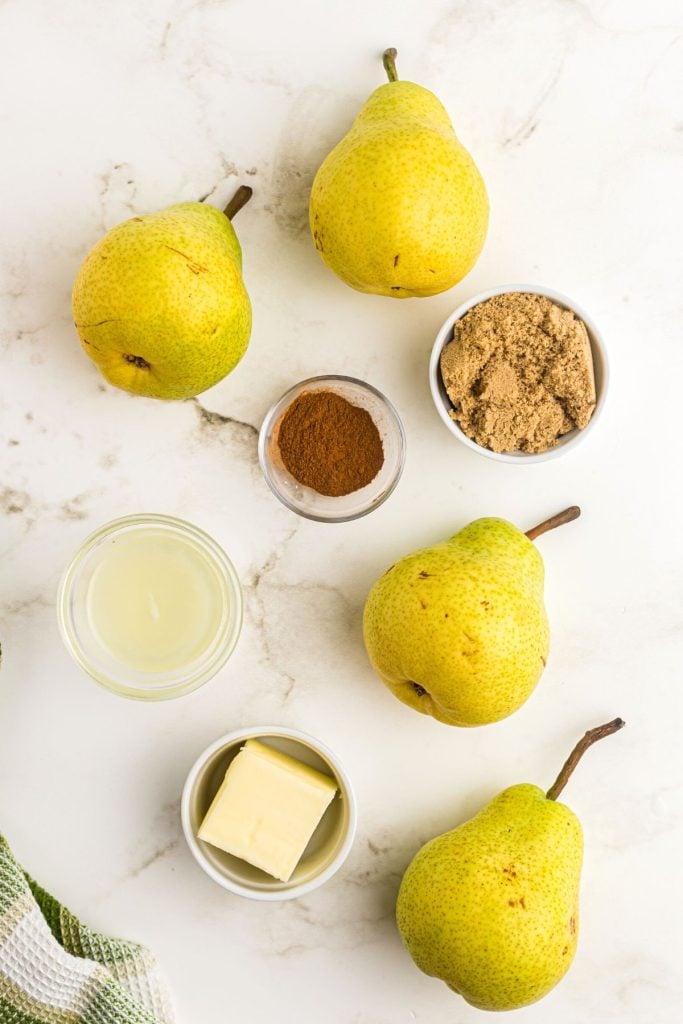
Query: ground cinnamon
[329, 444]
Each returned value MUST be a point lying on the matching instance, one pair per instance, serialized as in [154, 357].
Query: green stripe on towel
[56, 970]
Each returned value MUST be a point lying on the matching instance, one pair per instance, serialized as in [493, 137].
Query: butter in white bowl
[267, 808]
[330, 842]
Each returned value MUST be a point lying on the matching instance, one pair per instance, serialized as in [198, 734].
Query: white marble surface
[573, 111]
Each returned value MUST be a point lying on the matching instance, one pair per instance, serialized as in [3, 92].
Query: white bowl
[329, 845]
[567, 441]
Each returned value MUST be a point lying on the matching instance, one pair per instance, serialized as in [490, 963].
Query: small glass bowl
[80, 636]
[320, 507]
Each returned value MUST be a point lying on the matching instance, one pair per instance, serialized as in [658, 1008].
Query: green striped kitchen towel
[54, 970]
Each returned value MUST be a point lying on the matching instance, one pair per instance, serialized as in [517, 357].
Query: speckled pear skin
[465, 621]
[491, 908]
[166, 288]
[398, 207]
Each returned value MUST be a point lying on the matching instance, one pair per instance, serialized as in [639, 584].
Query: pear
[398, 207]
[459, 630]
[159, 303]
[492, 908]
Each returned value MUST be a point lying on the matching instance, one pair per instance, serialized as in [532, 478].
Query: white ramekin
[444, 405]
[331, 841]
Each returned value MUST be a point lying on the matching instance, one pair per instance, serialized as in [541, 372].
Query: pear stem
[389, 61]
[567, 516]
[240, 199]
[591, 737]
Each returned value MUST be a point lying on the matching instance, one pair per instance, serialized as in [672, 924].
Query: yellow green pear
[159, 303]
[492, 907]
[398, 207]
[459, 630]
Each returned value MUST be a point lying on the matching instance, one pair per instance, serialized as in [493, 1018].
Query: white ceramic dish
[329, 846]
[443, 403]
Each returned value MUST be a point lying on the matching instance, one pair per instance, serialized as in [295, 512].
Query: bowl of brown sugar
[332, 448]
[519, 373]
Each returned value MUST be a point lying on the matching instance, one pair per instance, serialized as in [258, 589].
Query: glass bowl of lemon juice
[150, 606]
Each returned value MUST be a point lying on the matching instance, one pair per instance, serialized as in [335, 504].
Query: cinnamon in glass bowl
[332, 449]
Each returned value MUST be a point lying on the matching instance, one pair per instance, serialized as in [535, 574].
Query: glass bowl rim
[281, 403]
[204, 672]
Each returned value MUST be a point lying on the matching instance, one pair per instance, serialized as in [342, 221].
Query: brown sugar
[519, 373]
[329, 444]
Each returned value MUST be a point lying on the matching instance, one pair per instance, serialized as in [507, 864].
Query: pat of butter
[267, 809]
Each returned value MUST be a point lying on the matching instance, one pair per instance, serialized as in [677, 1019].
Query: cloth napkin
[54, 970]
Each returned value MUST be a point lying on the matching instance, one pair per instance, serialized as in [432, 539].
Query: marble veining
[572, 109]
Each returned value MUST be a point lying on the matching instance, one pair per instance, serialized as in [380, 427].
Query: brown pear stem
[240, 199]
[591, 737]
[389, 60]
[560, 519]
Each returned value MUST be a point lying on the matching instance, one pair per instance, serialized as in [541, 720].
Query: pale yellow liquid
[154, 601]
